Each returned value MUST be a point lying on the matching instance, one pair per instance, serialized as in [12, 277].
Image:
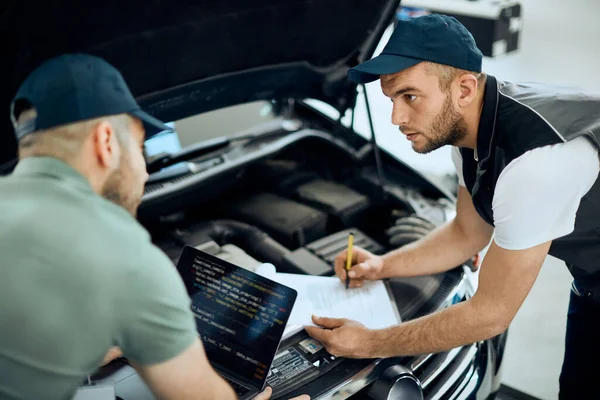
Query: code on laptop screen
[240, 315]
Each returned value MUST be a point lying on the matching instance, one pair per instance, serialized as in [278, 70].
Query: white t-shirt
[537, 194]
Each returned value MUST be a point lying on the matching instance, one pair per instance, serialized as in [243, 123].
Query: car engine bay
[294, 209]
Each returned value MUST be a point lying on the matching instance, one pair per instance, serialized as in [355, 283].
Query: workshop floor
[559, 45]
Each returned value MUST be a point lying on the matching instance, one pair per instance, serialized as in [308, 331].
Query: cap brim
[383, 64]
[153, 126]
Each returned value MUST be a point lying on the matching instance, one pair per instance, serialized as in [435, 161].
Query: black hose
[415, 220]
[408, 229]
[249, 238]
[395, 230]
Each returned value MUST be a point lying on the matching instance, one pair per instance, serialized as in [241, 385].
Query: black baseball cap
[76, 87]
[437, 38]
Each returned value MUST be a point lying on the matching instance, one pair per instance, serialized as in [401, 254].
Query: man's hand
[266, 395]
[342, 337]
[365, 266]
[113, 352]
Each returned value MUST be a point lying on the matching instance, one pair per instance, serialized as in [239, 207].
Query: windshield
[198, 128]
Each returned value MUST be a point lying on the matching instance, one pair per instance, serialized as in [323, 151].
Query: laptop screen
[240, 315]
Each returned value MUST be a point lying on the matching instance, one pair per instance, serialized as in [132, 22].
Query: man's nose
[399, 115]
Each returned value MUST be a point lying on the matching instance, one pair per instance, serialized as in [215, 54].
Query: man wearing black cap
[527, 160]
[80, 275]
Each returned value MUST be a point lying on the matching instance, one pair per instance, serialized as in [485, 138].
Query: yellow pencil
[349, 257]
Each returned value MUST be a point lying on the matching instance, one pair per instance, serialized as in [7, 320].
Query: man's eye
[410, 97]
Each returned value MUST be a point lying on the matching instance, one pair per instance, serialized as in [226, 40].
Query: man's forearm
[443, 248]
[505, 280]
[186, 376]
[453, 327]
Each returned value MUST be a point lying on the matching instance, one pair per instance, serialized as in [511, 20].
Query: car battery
[495, 24]
[289, 222]
[345, 205]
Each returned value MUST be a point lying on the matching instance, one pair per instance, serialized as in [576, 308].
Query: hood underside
[183, 57]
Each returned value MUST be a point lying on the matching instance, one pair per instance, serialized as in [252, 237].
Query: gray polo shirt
[78, 274]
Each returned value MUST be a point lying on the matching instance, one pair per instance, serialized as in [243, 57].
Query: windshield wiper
[163, 160]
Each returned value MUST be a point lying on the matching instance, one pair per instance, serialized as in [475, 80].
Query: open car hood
[184, 57]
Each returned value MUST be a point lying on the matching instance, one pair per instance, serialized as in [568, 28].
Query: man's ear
[106, 146]
[467, 85]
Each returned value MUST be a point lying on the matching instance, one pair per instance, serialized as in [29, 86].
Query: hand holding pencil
[354, 265]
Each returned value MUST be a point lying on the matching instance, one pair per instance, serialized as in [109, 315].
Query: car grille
[444, 375]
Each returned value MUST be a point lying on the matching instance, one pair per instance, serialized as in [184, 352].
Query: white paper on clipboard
[324, 296]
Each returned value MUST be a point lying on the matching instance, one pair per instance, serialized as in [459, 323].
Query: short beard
[116, 188]
[448, 128]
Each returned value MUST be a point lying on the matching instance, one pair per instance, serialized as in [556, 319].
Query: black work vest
[517, 118]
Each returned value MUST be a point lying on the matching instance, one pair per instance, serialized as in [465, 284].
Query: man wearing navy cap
[80, 275]
[527, 161]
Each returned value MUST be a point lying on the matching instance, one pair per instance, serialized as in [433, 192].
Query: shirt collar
[52, 168]
[487, 120]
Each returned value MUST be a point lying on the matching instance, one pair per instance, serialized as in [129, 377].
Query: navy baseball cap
[437, 38]
[76, 87]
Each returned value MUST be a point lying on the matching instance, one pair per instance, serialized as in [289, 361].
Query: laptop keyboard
[239, 389]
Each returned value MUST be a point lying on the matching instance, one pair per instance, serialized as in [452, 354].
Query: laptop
[241, 317]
